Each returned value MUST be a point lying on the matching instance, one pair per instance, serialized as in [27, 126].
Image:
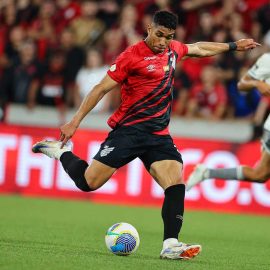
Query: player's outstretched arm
[204, 49]
[247, 83]
[89, 102]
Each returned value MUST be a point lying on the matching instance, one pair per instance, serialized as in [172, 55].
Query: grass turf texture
[58, 234]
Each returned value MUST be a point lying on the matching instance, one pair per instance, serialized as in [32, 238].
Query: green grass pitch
[60, 234]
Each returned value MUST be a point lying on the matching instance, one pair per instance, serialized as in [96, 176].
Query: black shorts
[127, 143]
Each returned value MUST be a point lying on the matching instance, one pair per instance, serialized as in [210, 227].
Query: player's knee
[167, 181]
[178, 182]
[262, 176]
[92, 185]
[87, 185]
[82, 184]
[175, 181]
[94, 181]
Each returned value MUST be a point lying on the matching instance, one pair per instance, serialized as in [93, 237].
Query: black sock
[173, 210]
[75, 168]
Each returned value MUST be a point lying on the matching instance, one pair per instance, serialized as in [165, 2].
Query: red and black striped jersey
[146, 91]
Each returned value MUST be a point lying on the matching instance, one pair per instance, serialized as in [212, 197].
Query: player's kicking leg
[86, 177]
[202, 173]
[258, 174]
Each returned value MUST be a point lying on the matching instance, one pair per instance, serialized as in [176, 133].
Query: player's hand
[246, 44]
[263, 87]
[67, 131]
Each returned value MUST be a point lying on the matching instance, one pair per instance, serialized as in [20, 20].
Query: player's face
[159, 37]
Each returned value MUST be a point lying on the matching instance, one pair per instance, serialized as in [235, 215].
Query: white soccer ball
[122, 239]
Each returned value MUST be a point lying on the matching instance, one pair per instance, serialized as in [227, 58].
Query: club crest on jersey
[106, 150]
[151, 68]
[113, 68]
[166, 68]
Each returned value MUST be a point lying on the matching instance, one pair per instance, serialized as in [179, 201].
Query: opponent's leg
[200, 173]
[260, 173]
[168, 174]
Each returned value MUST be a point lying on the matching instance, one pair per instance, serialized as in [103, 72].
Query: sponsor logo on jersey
[107, 150]
[149, 58]
[113, 68]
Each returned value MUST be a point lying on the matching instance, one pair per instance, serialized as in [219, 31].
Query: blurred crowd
[52, 52]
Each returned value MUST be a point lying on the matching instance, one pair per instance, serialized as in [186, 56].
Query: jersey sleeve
[120, 69]
[180, 48]
[261, 69]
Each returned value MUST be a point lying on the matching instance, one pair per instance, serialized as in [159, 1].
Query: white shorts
[265, 141]
[266, 125]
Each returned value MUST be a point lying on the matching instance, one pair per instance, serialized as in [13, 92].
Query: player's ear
[149, 28]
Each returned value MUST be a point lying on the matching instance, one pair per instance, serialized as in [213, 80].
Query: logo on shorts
[107, 150]
[176, 149]
[179, 217]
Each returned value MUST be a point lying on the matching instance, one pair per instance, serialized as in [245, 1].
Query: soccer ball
[122, 239]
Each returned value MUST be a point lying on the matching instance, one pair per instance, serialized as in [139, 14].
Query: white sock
[240, 173]
[206, 174]
[168, 242]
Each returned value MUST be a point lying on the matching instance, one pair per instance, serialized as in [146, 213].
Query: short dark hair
[166, 19]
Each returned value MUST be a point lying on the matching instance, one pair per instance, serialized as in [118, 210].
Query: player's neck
[146, 42]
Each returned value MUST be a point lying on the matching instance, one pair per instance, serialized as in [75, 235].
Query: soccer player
[258, 76]
[140, 125]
